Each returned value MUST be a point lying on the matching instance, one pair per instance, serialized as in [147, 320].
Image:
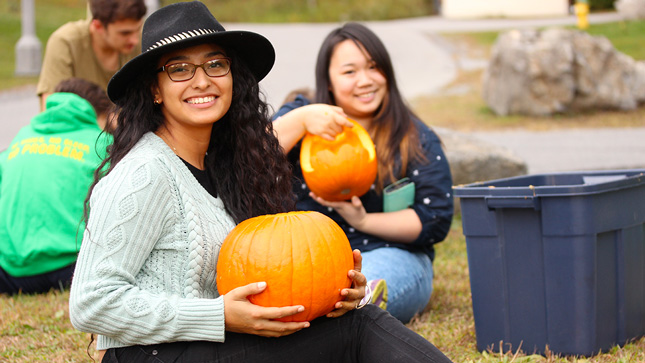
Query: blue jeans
[408, 276]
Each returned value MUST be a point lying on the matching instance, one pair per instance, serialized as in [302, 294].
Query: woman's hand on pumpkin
[355, 294]
[352, 212]
[242, 316]
[324, 120]
[319, 119]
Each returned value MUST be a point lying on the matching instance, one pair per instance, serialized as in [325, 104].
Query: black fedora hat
[185, 24]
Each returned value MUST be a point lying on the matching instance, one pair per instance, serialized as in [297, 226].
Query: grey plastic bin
[557, 260]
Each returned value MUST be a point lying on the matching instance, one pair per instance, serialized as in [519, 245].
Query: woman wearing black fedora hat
[194, 154]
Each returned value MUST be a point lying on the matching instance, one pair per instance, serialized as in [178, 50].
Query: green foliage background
[273, 11]
[601, 4]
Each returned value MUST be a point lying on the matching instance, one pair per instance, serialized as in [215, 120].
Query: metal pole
[28, 48]
[152, 6]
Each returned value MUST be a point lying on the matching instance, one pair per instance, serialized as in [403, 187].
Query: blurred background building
[460, 9]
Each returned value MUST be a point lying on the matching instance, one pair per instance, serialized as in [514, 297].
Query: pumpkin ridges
[317, 227]
[333, 260]
[251, 258]
[312, 239]
[346, 265]
[264, 230]
[240, 272]
[301, 296]
[287, 282]
[327, 230]
[234, 244]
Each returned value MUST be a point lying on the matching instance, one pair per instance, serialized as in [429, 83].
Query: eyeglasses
[180, 72]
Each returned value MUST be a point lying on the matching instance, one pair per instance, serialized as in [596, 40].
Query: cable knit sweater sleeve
[146, 268]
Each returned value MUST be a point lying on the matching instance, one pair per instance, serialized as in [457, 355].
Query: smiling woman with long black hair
[355, 79]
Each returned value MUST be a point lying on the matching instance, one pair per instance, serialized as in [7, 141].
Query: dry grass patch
[36, 328]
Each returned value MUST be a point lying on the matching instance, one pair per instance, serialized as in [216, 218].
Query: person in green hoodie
[45, 175]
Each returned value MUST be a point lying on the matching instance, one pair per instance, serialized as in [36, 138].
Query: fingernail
[262, 285]
[301, 309]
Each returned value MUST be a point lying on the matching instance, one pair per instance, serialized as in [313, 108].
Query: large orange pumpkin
[339, 169]
[304, 258]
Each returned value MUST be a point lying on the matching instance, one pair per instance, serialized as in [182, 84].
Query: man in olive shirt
[93, 49]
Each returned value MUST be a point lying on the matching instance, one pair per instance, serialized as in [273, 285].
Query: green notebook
[398, 195]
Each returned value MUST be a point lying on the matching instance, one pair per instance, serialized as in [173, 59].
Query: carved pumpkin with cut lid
[339, 169]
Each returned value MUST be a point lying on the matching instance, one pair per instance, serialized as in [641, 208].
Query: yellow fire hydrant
[581, 9]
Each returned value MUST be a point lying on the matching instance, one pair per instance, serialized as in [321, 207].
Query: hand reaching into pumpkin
[242, 316]
[324, 120]
[355, 294]
[319, 119]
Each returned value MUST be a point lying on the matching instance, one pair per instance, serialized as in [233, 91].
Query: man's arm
[43, 100]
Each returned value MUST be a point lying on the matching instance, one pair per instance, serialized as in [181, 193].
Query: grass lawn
[50, 15]
[36, 328]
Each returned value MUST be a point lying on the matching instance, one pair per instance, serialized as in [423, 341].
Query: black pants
[58, 279]
[366, 335]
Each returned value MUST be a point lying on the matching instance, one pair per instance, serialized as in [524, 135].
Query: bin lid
[556, 184]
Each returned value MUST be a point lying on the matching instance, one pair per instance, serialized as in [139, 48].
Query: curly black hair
[245, 161]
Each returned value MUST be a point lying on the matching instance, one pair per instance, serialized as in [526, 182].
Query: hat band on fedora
[186, 24]
[181, 36]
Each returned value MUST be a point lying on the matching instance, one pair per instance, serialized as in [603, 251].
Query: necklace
[165, 139]
[174, 149]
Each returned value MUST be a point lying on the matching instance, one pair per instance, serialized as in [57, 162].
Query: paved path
[574, 149]
[424, 63]
[17, 107]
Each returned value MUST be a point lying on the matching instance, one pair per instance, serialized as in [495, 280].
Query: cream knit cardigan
[146, 269]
